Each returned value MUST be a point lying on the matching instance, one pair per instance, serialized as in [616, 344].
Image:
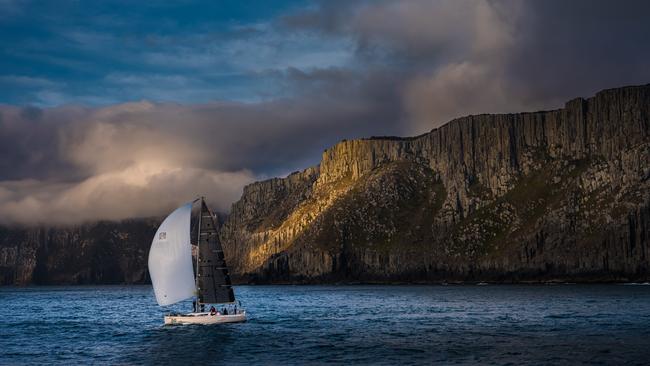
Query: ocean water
[494, 324]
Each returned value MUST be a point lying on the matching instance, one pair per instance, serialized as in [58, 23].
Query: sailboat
[172, 274]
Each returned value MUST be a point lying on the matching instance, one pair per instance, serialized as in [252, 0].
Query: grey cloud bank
[71, 164]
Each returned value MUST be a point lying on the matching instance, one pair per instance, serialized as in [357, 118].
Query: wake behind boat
[172, 274]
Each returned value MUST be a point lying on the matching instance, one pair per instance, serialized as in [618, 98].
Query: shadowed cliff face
[553, 195]
[103, 252]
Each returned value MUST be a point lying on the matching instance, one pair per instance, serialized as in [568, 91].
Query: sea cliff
[96, 253]
[552, 195]
[560, 195]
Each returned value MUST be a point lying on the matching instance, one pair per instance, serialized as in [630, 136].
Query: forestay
[170, 258]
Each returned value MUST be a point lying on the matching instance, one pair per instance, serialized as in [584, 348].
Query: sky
[119, 109]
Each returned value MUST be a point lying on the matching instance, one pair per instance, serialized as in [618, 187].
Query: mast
[198, 253]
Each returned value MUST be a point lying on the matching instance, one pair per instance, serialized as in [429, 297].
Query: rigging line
[198, 253]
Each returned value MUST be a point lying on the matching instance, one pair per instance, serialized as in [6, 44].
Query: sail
[213, 279]
[170, 258]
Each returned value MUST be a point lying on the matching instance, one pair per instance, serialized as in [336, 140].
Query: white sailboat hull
[204, 318]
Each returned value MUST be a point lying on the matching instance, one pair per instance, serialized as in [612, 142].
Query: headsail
[213, 278]
[170, 258]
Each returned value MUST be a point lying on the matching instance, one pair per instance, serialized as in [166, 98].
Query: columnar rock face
[554, 195]
[103, 252]
[559, 195]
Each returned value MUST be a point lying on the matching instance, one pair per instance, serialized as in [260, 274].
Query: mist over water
[334, 324]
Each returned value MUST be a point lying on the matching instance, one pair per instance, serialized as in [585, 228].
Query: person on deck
[225, 311]
[213, 311]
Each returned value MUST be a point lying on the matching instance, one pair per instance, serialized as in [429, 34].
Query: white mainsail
[170, 258]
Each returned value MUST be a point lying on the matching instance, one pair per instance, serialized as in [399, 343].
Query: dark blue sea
[295, 325]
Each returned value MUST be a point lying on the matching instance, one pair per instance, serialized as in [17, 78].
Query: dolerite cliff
[102, 252]
[560, 195]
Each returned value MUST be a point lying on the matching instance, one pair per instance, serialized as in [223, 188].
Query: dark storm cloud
[570, 48]
[463, 57]
[265, 95]
[29, 145]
